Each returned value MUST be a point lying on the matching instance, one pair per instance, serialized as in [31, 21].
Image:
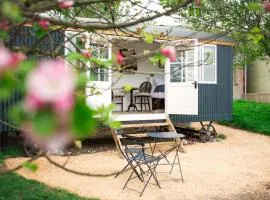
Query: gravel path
[235, 168]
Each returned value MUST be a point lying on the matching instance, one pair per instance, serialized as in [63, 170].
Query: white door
[181, 84]
[98, 89]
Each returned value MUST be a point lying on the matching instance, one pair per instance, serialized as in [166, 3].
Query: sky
[164, 20]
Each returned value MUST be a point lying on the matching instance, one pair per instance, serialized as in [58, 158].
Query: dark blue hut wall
[215, 100]
[25, 37]
[5, 106]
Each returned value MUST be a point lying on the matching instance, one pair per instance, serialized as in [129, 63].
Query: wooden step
[144, 125]
[167, 123]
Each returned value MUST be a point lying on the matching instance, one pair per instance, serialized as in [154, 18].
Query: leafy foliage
[13, 186]
[30, 166]
[245, 21]
[11, 10]
[83, 121]
[258, 121]
[44, 122]
[53, 95]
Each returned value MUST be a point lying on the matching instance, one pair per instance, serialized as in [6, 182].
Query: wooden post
[172, 129]
[117, 141]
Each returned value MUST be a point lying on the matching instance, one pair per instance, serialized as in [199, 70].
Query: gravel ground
[236, 168]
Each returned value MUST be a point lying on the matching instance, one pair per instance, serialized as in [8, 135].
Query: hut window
[182, 70]
[99, 50]
[99, 73]
[208, 64]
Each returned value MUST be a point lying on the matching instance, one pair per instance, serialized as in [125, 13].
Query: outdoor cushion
[143, 94]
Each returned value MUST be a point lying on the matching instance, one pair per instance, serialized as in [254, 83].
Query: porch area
[145, 80]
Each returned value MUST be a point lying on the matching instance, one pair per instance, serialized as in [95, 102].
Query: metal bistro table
[132, 104]
[169, 135]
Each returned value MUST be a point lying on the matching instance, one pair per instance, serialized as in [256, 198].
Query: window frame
[201, 67]
[87, 45]
[99, 73]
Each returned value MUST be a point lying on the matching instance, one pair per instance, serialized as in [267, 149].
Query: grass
[250, 116]
[13, 186]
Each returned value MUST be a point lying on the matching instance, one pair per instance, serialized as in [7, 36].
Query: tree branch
[100, 26]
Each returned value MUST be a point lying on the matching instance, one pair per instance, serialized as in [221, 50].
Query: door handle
[195, 83]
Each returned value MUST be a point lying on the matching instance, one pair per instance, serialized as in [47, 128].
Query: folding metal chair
[136, 149]
[140, 159]
[134, 153]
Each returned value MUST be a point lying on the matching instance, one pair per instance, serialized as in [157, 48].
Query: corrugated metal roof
[183, 32]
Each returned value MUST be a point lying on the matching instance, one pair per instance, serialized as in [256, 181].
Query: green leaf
[3, 34]
[158, 58]
[127, 88]
[255, 30]
[101, 62]
[104, 114]
[17, 114]
[74, 56]
[148, 38]
[83, 121]
[25, 67]
[115, 124]
[30, 166]
[11, 11]
[40, 33]
[44, 123]
[82, 80]
[8, 83]
[255, 6]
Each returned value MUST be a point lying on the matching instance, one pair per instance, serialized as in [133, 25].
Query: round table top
[167, 135]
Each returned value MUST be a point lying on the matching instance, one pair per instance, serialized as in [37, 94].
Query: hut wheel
[207, 132]
[31, 149]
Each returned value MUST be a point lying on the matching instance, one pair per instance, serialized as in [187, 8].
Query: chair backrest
[112, 95]
[145, 87]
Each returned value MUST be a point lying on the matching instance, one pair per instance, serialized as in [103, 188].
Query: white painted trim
[175, 103]
[216, 67]
[138, 117]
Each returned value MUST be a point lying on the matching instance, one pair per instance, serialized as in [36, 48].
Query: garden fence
[258, 97]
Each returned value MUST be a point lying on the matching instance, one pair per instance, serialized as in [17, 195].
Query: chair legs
[144, 102]
[152, 174]
[178, 162]
[120, 102]
[151, 170]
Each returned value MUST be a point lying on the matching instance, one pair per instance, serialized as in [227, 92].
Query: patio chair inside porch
[143, 96]
[118, 98]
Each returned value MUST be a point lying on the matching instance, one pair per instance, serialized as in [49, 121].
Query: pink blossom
[9, 59]
[32, 103]
[198, 3]
[53, 143]
[44, 24]
[4, 24]
[266, 6]
[64, 104]
[87, 54]
[16, 58]
[119, 58]
[51, 83]
[58, 141]
[65, 4]
[169, 52]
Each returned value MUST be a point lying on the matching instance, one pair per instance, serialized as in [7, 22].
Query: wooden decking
[167, 123]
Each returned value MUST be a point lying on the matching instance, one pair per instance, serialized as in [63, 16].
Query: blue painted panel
[24, 37]
[215, 100]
